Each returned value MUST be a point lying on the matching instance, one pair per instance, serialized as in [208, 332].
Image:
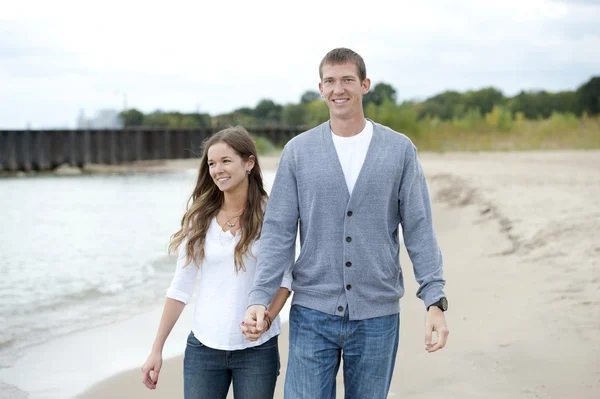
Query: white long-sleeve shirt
[223, 295]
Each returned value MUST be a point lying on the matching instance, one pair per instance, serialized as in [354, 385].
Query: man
[349, 183]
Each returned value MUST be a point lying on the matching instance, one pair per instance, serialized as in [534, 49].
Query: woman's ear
[250, 163]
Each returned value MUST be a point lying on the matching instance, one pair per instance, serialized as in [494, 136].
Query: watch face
[444, 303]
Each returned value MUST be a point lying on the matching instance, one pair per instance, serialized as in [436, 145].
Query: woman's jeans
[318, 341]
[207, 372]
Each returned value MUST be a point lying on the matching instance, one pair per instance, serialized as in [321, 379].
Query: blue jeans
[318, 341]
[207, 372]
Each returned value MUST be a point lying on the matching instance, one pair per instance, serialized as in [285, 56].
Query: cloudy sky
[58, 57]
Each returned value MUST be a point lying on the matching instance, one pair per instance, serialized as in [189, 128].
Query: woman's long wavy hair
[206, 201]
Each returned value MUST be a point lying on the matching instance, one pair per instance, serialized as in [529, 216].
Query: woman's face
[227, 169]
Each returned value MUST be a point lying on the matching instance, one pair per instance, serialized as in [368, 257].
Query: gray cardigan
[350, 245]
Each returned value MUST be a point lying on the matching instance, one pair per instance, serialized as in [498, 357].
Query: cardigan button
[348, 264]
[349, 213]
[348, 239]
[340, 308]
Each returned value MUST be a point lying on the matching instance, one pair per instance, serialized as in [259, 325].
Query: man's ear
[366, 85]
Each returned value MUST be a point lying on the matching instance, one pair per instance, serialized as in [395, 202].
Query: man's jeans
[207, 372]
[318, 340]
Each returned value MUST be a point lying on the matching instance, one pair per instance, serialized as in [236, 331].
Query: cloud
[219, 56]
[592, 3]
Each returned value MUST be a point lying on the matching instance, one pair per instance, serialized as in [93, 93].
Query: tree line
[470, 108]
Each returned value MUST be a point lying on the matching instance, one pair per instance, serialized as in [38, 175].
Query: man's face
[342, 90]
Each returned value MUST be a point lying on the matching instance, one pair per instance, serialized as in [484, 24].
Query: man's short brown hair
[341, 56]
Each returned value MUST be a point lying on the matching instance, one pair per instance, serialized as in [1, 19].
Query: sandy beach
[520, 233]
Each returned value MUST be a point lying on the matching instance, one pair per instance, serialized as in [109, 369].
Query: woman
[219, 237]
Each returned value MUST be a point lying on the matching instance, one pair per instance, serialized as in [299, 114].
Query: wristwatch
[442, 304]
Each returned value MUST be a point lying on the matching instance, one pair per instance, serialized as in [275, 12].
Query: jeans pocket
[270, 344]
[193, 342]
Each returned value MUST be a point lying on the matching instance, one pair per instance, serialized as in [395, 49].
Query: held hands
[435, 321]
[256, 321]
[153, 364]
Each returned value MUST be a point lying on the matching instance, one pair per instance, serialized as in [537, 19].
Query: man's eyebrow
[343, 77]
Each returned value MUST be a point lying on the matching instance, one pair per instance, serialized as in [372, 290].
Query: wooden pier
[25, 150]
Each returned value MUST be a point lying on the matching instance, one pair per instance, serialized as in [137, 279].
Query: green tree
[317, 112]
[566, 102]
[589, 96]
[379, 93]
[444, 105]
[402, 118]
[203, 120]
[500, 118]
[407, 119]
[371, 111]
[156, 119]
[174, 119]
[245, 111]
[485, 99]
[309, 96]
[267, 111]
[471, 121]
[189, 122]
[131, 117]
[534, 104]
[234, 119]
[293, 114]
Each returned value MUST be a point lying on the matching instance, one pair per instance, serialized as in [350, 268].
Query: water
[78, 252]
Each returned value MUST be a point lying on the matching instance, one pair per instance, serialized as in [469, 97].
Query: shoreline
[119, 348]
[268, 162]
[43, 369]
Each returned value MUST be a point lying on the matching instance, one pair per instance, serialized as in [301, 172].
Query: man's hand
[248, 328]
[435, 321]
[254, 321]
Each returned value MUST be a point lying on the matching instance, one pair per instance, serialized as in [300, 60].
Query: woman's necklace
[228, 235]
[230, 223]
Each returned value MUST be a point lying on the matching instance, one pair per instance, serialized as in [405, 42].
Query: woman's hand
[151, 369]
[248, 327]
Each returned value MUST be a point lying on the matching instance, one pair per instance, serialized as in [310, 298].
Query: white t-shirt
[223, 295]
[352, 152]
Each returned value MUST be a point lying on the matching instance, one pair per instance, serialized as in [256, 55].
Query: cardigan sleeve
[417, 228]
[278, 237]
